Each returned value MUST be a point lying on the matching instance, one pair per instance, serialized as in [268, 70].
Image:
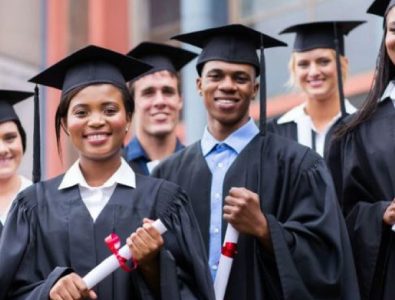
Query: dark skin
[227, 90]
[100, 109]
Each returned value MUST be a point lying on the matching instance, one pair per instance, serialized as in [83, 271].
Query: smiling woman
[314, 70]
[12, 148]
[62, 222]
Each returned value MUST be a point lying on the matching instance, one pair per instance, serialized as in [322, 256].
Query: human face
[157, 104]
[390, 34]
[11, 149]
[315, 73]
[97, 122]
[227, 90]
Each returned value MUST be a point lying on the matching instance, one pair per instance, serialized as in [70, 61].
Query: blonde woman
[313, 69]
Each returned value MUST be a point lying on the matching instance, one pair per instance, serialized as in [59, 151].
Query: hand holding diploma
[139, 242]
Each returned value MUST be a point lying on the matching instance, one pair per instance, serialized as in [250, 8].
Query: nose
[313, 70]
[96, 119]
[159, 99]
[227, 84]
[3, 148]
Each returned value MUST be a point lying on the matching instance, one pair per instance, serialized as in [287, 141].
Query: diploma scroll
[111, 263]
[225, 262]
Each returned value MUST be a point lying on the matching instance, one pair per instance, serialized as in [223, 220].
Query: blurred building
[37, 33]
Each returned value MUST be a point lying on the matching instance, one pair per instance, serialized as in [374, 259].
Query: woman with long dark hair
[362, 160]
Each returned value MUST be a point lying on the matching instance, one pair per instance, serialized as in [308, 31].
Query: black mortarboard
[162, 57]
[8, 99]
[234, 43]
[321, 34]
[380, 7]
[324, 34]
[89, 65]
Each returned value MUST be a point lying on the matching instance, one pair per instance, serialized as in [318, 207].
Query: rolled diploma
[225, 264]
[110, 264]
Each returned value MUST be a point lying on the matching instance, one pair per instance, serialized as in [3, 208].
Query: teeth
[96, 137]
[226, 101]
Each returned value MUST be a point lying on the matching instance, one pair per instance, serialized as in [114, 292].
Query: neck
[322, 112]
[158, 147]
[9, 188]
[96, 173]
[220, 131]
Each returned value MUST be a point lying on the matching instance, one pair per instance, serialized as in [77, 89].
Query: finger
[146, 220]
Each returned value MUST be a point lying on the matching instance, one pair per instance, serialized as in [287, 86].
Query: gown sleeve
[185, 260]
[20, 262]
[310, 242]
[362, 185]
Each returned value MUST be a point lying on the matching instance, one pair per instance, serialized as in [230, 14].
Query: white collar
[298, 113]
[124, 175]
[389, 92]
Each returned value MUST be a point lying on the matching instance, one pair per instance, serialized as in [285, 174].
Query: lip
[97, 138]
[4, 161]
[226, 102]
[315, 82]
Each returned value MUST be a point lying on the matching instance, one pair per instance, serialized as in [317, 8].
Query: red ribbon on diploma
[114, 244]
[229, 249]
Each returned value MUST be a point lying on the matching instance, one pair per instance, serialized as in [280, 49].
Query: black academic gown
[289, 130]
[363, 164]
[312, 256]
[49, 233]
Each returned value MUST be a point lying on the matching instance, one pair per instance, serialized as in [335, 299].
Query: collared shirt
[389, 92]
[95, 198]
[135, 154]
[219, 156]
[307, 134]
[24, 184]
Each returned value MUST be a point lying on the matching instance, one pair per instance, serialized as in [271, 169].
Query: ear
[129, 118]
[256, 89]
[199, 85]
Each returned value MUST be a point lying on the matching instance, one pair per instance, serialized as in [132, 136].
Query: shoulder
[181, 157]
[290, 153]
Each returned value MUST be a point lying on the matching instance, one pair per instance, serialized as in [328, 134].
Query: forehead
[157, 78]
[8, 126]
[390, 17]
[97, 93]
[227, 67]
[314, 53]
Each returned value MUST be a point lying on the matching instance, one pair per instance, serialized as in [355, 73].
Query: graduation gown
[289, 129]
[363, 164]
[49, 233]
[312, 256]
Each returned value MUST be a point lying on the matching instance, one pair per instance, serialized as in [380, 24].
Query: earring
[126, 129]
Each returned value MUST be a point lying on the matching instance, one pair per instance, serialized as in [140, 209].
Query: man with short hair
[277, 194]
[158, 103]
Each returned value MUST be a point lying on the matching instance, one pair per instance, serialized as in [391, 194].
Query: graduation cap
[234, 43]
[324, 34]
[380, 7]
[89, 65]
[161, 57]
[8, 98]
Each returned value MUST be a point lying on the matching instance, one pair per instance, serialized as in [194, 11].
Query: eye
[80, 113]
[9, 138]
[324, 61]
[169, 91]
[242, 78]
[214, 76]
[111, 110]
[302, 64]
